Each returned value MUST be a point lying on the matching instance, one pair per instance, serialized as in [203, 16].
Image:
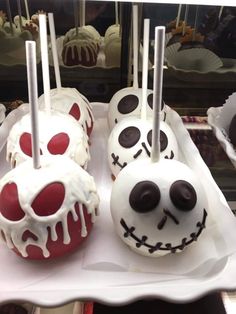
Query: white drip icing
[83, 224]
[62, 100]
[77, 45]
[57, 122]
[79, 188]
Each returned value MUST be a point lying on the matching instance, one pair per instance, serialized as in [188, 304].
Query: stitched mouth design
[129, 232]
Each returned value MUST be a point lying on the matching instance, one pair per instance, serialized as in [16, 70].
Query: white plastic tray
[53, 283]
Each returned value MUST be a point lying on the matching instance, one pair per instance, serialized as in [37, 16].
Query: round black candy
[183, 195]
[129, 137]
[144, 197]
[163, 140]
[128, 104]
[150, 101]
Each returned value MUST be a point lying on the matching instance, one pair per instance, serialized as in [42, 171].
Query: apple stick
[178, 15]
[157, 90]
[9, 16]
[145, 68]
[82, 10]
[135, 46]
[19, 13]
[220, 12]
[195, 23]
[185, 19]
[33, 99]
[116, 13]
[27, 10]
[76, 17]
[54, 50]
[44, 58]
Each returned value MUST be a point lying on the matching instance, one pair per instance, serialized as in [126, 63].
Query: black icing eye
[144, 197]
[129, 137]
[183, 195]
[128, 104]
[150, 101]
[163, 139]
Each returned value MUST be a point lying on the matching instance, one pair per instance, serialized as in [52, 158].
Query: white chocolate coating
[2, 113]
[79, 188]
[119, 156]
[143, 235]
[64, 100]
[112, 32]
[87, 32]
[49, 126]
[113, 52]
[114, 113]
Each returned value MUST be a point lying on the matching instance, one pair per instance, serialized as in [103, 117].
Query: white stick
[9, 16]
[83, 12]
[135, 46]
[185, 19]
[157, 90]
[19, 13]
[44, 58]
[54, 50]
[178, 15]
[195, 23]
[76, 16]
[27, 10]
[117, 13]
[33, 99]
[220, 12]
[145, 68]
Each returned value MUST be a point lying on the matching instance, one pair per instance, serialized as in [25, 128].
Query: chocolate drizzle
[128, 104]
[160, 245]
[116, 161]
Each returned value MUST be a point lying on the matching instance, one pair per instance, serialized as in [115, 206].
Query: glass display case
[199, 78]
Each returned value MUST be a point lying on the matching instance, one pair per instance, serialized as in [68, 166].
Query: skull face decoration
[70, 101]
[47, 212]
[158, 208]
[131, 139]
[128, 102]
[59, 135]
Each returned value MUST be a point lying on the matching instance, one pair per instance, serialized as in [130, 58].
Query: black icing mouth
[119, 164]
[160, 246]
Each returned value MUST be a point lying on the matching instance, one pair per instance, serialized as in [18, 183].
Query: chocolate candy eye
[129, 137]
[163, 140]
[144, 197]
[183, 195]
[150, 101]
[128, 104]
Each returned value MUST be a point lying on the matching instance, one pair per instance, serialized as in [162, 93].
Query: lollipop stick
[157, 90]
[185, 19]
[44, 58]
[116, 13]
[54, 50]
[195, 23]
[145, 68]
[220, 12]
[76, 17]
[33, 99]
[27, 10]
[9, 16]
[83, 3]
[19, 13]
[135, 46]
[178, 15]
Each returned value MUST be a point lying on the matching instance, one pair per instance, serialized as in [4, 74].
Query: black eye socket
[163, 139]
[150, 101]
[128, 104]
[183, 195]
[129, 137]
[144, 197]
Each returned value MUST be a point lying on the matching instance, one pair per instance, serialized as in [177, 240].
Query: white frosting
[112, 32]
[63, 101]
[113, 52]
[115, 115]
[163, 174]
[2, 113]
[119, 156]
[79, 188]
[49, 126]
[87, 32]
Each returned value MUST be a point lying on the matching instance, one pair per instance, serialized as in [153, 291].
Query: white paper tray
[213, 114]
[53, 283]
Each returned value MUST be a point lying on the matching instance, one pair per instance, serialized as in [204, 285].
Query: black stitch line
[162, 223]
[116, 162]
[137, 154]
[169, 214]
[146, 149]
[157, 247]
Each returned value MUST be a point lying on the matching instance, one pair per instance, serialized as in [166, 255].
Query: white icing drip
[63, 101]
[57, 122]
[88, 46]
[79, 188]
[74, 215]
[83, 224]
